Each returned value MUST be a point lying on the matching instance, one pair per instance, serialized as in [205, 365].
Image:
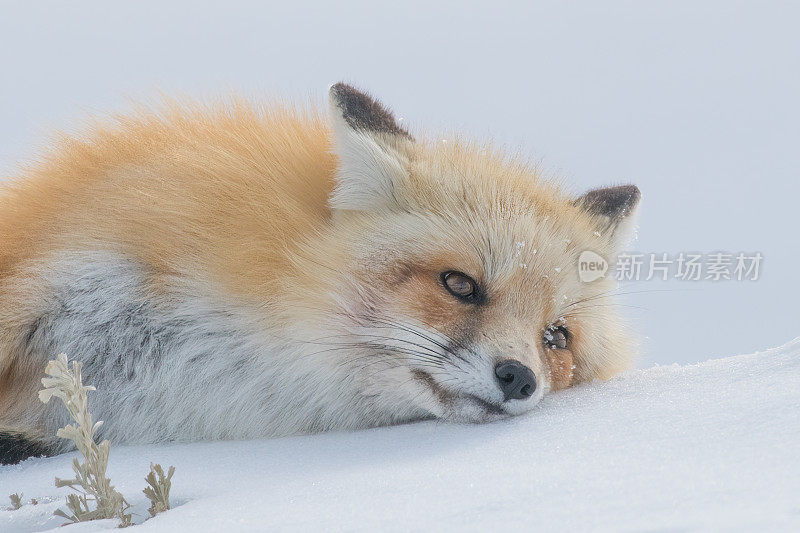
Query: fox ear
[372, 149]
[615, 208]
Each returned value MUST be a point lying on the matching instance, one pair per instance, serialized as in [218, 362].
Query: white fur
[370, 167]
[188, 360]
[187, 366]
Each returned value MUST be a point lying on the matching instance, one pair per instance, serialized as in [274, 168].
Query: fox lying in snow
[237, 272]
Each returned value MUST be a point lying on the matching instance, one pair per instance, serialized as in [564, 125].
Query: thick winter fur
[237, 271]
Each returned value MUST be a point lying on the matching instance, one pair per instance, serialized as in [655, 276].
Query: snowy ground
[666, 448]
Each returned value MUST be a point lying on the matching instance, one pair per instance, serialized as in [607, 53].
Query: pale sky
[695, 103]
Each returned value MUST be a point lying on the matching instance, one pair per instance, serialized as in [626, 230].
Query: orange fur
[176, 187]
[238, 195]
[186, 188]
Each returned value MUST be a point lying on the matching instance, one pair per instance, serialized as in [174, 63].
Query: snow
[674, 447]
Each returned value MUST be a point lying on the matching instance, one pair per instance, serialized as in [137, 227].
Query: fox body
[235, 271]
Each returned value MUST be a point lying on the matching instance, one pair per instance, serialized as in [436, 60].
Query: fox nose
[517, 381]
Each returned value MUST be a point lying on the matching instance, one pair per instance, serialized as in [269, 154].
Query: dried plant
[158, 491]
[16, 501]
[92, 487]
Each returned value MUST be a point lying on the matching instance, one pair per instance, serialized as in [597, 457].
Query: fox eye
[556, 337]
[460, 285]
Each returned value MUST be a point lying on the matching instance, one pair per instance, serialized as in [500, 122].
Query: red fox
[235, 271]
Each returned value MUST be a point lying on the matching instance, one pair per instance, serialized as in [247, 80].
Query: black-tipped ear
[611, 204]
[373, 151]
[364, 113]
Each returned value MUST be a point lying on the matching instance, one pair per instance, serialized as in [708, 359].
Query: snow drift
[673, 447]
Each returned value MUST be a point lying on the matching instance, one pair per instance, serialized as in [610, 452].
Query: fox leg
[21, 412]
[16, 447]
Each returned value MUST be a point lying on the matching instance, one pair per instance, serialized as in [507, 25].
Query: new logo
[591, 266]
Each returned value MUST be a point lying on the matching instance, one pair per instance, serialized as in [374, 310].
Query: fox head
[460, 296]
